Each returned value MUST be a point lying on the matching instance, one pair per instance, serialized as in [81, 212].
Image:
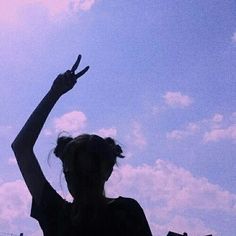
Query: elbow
[20, 150]
[16, 146]
[19, 147]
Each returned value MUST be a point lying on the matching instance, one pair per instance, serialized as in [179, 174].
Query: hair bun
[116, 149]
[61, 144]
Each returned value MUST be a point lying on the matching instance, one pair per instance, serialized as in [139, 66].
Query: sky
[161, 82]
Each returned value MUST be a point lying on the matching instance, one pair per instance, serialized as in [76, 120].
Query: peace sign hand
[66, 81]
[75, 66]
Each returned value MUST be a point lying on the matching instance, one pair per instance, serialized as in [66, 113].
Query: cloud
[72, 122]
[212, 129]
[234, 37]
[216, 129]
[192, 225]
[12, 161]
[136, 136]
[189, 130]
[166, 191]
[217, 118]
[57, 7]
[176, 99]
[14, 200]
[221, 134]
[107, 132]
[13, 12]
[84, 5]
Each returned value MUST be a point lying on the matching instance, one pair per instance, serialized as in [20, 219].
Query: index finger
[75, 66]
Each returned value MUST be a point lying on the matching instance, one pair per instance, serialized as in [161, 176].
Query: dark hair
[61, 144]
[102, 150]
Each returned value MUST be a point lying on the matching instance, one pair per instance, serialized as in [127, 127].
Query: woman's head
[88, 162]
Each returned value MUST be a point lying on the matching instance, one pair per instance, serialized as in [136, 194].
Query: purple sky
[161, 82]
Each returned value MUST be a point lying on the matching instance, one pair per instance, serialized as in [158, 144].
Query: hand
[65, 82]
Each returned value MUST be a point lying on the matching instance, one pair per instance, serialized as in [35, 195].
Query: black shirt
[126, 217]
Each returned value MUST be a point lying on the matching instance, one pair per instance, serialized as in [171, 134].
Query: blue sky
[161, 82]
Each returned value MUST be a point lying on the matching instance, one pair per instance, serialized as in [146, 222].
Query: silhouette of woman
[87, 162]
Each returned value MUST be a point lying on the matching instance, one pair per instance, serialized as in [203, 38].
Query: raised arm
[24, 142]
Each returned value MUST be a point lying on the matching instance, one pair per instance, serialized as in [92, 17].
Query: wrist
[54, 93]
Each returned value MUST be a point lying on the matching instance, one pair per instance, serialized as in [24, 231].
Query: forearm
[31, 130]
[28, 135]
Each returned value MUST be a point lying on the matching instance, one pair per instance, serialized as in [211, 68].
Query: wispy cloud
[211, 129]
[189, 130]
[165, 190]
[12, 161]
[217, 118]
[57, 7]
[136, 136]
[221, 134]
[177, 99]
[233, 38]
[107, 132]
[216, 129]
[13, 12]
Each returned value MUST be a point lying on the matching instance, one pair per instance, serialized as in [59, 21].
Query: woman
[87, 162]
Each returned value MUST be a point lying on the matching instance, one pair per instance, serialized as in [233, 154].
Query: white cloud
[189, 130]
[14, 200]
[57, 7]
[221, 134]
[136, 136]
[72, 122]
[107, 132]
[12, 12]
[176, 99]
[212, 129]
[12, 161]
[219, 128]
[84, 5]
[165, 190]
[234, 38]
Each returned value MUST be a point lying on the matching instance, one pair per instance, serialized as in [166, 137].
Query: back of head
[88, 162]
[87, 153]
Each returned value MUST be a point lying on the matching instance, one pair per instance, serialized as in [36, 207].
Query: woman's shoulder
[130, 214]
[126, 202]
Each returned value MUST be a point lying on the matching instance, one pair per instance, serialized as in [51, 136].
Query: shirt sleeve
[47, 210]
